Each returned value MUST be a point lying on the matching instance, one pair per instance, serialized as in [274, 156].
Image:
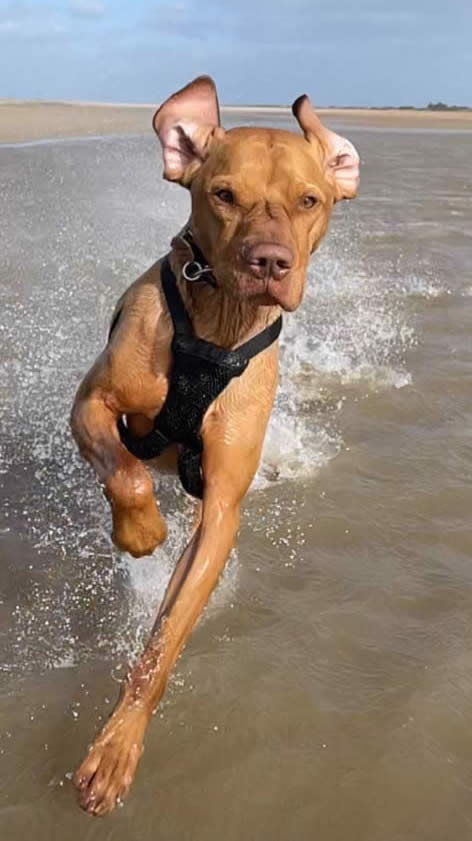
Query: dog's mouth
[268, 292]
[267, 271]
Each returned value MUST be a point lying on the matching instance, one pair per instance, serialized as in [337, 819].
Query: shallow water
[328, 690]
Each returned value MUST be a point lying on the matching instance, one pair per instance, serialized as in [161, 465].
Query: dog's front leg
[107, 772]
[232, 443]
[137, 524]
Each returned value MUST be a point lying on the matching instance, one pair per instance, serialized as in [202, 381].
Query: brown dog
[261, 202]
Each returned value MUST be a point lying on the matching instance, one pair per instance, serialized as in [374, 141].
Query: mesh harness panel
[200, 371]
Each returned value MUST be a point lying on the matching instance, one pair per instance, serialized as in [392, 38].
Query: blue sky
[342, 52]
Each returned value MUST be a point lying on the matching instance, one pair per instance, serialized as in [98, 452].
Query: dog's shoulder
[135, 361]
[140, 314]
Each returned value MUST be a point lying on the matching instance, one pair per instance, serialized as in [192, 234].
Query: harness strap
[200, 372]
[183, 328]
[260, 341]
[180, 316]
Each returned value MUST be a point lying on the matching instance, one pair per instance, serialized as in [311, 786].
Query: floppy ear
[185, 125]
[341, 157]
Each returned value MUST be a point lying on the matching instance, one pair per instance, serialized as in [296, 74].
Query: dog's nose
[266, 259]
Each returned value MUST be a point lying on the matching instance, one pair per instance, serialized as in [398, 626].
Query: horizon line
[232, 107]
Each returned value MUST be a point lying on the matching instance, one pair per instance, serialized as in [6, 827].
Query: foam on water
[352, 330]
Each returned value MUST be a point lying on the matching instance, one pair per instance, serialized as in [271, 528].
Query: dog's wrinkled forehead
[266, 147]
[257, 159]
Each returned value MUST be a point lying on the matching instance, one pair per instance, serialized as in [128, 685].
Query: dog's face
[260, 205]
[261, 198]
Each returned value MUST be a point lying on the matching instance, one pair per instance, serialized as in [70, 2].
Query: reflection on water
[329, 683]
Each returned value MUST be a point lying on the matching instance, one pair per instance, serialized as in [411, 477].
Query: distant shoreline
[231, 107]
[23, 121]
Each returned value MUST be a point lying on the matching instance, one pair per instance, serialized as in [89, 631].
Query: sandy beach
[327, 690]
[23, 121]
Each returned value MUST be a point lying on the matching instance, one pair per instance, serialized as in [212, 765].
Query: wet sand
[28, 121]
[327, 693]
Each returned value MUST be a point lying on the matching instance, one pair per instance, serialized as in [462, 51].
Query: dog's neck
[216, 315]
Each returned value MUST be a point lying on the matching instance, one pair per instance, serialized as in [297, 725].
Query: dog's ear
[185, 125]
[341, 157]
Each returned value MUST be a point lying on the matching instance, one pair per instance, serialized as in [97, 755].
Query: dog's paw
[104, 777]
[139, 531]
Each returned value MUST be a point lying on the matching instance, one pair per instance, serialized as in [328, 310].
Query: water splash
[78, 249]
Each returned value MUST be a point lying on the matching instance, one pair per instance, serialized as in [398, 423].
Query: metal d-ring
[193, 271]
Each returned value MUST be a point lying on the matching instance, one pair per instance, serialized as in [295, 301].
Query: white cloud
[88, 8]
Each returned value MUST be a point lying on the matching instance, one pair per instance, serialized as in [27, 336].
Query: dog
[189, 373]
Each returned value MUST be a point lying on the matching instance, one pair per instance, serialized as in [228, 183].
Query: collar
[197, 269]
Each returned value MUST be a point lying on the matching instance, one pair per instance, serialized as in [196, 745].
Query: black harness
[200, 371]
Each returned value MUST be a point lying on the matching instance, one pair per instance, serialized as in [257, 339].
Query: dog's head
[261, 198]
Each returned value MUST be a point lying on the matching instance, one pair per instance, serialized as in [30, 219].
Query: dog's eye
[309, 202]
[225, 196]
